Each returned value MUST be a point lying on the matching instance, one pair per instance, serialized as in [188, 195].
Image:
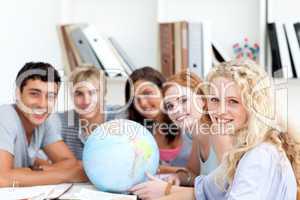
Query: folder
[294, 48]
[86, 52]
[166, 32]
[195, 48]
[100, 44]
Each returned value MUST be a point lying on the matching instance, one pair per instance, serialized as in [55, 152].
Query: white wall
[27, 34]
[284, 10]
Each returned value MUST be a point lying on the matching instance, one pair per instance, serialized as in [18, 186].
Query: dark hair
[37, 71]
[153, 76]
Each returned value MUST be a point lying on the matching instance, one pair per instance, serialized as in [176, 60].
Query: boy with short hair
[88, 90]
[28, 126]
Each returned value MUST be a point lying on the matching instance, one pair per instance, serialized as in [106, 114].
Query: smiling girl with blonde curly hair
[264, 162]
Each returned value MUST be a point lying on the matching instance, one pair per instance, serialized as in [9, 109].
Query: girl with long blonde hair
[264, 161]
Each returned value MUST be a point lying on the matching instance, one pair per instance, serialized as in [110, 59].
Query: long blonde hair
[257, 97]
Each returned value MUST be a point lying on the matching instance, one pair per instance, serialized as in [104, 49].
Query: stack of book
[188, 45]
[285, 49]
[82, 45]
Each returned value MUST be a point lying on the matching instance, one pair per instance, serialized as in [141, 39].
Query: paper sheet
[96, 195]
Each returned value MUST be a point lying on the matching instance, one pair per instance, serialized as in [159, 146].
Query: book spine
[184, 46]
[69, 53]
[177, 46]
[207, 48]
[276, 61]
[166, 31]
[195, 48]
[283, 50]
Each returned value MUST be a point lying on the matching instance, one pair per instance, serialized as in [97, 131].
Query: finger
[142, 194]
[152, 178]
[138, 187]
[177, 182]
[158, 171]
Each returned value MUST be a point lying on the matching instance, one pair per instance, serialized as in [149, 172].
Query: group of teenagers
[218, 138]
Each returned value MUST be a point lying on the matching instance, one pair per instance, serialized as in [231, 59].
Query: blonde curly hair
[257, 97]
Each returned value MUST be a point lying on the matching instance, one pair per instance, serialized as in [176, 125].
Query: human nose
[43, 101]
[222, 108]
[86, 99]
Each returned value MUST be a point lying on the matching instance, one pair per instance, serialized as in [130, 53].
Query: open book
[78, 191]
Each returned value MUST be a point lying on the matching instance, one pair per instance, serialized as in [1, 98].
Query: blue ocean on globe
[118, 154]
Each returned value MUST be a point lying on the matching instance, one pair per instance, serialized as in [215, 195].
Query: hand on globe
[152, 189]
[174, 178]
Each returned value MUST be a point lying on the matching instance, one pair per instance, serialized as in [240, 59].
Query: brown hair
[155, 77]
[190, 80]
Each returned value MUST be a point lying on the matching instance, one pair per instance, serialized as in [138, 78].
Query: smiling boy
[28, 126]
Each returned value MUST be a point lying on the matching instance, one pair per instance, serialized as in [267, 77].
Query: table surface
[41, 192]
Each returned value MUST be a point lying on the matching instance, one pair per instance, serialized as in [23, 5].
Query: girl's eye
[169, 106]
[78, 93]
[183, 100]
[147, 93]
[92, 92]
[214, 99]
[233, 101]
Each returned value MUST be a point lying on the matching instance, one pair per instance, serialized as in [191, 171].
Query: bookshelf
[134, 23]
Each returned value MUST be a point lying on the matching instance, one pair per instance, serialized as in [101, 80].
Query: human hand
[41, 164]
[173, 178]
[77, 173]
[152, 189]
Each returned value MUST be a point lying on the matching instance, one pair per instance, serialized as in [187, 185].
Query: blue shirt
[13, 137]
[263, 173]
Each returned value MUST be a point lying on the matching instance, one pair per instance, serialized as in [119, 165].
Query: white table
[78, 191]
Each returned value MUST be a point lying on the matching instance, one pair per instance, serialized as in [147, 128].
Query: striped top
[71, 129]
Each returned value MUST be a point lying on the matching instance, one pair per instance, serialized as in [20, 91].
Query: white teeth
[223, 121]
[39, 112]
[181, 118]
[147, 109]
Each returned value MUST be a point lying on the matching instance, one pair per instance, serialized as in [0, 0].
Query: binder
[86, 52]
[297, 29]
[184, 45]
[195, 48]
[181, 45]
[207, 48]
[124, 56]
[122, 62]
[283, 51]
[166, 35]
[63, 47]
[294, 48]
[72, 46]
[177, 46]
[276, 60]
[100, 44]
[70, 58]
